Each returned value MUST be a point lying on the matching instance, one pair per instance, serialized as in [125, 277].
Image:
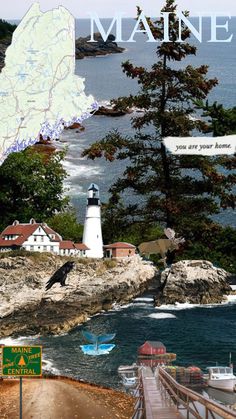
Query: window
[51, 248]
[31, 248]
[35, 238]
[41, 238]
[44, 248]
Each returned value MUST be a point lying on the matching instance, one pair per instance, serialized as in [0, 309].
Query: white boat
[129, 381]
[222, 378]
[129, 375]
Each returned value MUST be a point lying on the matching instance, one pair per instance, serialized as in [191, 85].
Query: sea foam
[161, 316]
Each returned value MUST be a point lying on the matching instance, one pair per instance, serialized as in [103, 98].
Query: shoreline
[93, 287]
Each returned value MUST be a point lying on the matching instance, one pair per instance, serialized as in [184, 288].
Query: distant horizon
[125, 17]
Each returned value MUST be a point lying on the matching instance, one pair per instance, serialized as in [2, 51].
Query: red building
[152, 348]
[119, 250]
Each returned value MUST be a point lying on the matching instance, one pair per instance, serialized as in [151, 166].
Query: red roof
[20, 229]
[120, 245]
[66, 244]
[9, 243]
[49, 230]
[81, 246]
[24, 231]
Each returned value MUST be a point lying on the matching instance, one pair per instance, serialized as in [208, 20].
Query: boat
[222, 378]
[130, 381]
[129, 375]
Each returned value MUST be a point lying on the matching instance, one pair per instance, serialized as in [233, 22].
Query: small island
[84, 48]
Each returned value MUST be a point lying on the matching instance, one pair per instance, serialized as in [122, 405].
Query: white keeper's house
[38, 237]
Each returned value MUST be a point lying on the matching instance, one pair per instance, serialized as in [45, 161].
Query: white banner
[201, 146]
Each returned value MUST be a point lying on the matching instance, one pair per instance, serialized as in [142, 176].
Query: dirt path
[63, 399]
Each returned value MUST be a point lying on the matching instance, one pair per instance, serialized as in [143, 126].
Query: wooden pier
[155, 405]
[159, 396]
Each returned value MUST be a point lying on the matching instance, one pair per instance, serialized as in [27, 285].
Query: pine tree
[181, 192]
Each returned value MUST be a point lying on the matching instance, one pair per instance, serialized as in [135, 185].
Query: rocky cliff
[193, 281]
[93, 286]
[84, 48]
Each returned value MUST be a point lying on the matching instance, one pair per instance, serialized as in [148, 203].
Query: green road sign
[22, 361]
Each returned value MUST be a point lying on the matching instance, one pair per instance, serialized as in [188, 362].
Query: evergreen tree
[181, 192]
[6, 29]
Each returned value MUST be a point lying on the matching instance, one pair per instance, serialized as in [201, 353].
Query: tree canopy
[6, 29]
[65, 223]
[31, 187]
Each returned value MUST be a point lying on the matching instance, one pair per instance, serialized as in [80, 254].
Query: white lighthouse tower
[92, 236]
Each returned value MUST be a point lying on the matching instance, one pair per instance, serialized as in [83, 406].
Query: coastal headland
[92, 287]
[64, 398]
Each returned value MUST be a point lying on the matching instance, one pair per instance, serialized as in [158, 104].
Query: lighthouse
[92, 236]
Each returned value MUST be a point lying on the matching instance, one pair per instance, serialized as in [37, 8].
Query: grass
[45, 256]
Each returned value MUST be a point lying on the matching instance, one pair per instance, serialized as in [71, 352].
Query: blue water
[105, 80]
[199, 336]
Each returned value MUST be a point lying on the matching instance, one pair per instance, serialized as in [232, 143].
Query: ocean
[199, 335]
[105, 80]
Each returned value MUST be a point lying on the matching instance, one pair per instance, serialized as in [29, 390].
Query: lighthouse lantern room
[92, 236]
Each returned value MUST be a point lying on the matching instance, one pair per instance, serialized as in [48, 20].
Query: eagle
[60, 275]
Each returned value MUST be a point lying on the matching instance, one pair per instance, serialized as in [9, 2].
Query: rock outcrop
[193, 281]
[84, 48]
[111, 111]
[93, 286]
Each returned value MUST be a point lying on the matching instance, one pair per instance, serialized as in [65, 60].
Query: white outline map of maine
[39, 91]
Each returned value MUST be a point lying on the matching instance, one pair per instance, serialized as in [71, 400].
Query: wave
[144, 299]
[161, 316]
[230, 299]
[48, 367]
[10, 341]
[177, 306]
[119, 307]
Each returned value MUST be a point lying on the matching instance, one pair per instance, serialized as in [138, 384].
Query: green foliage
[65, 223]
[6, 29]
[221, 121]
[181, 192]
[31, 187]
[36, 256]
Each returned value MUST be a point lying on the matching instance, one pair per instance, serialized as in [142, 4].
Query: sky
[15, 9]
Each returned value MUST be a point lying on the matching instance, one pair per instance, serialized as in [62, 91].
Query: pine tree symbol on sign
[21, 361]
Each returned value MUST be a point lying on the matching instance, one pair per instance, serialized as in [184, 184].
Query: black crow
[60, 275]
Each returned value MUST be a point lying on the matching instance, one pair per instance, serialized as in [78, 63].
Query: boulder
[193, 281]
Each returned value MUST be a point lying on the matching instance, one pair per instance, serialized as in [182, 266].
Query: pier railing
[188, 402]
